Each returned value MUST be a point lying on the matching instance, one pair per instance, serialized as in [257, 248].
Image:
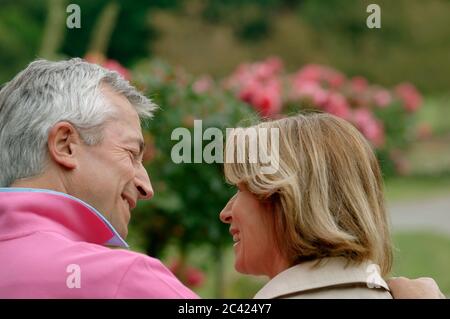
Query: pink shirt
[52, 245]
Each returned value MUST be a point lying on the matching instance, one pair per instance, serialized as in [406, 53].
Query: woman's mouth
[236, 238]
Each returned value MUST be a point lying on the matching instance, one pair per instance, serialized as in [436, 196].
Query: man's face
[111, 176]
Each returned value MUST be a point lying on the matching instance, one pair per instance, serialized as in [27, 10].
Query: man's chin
[123, 233]
[121, 229]
[120, 222]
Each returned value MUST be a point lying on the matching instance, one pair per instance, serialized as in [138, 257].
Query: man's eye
[135, 156]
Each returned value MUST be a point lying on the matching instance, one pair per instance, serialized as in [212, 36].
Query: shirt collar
[26, 210]
[330, 272]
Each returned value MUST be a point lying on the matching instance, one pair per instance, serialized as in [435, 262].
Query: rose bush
[184, 211]
[385, 116]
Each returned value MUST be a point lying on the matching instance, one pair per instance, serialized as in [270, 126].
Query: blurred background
[230, 62]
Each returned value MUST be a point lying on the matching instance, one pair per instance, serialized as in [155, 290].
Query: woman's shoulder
[327, 278]
[350, 292]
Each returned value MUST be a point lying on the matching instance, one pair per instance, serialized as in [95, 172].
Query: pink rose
[267, 98]
[189, 275]
[310, 90]
[310, 72]
[249, 90]
[202, 84]
[382, 98]
[337, 104]
[319, 73]
[409, 95]
[116, 66]
[194, 277]
[267, 69]
[334, 78]
[369, 126]
[358, 84]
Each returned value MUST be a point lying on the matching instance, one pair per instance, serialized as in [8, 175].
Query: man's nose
[143, 184]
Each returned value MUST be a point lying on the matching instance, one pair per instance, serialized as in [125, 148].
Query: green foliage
[129, 39]
[411, 45]
[399, 129]
[250, 20]
[20, 35]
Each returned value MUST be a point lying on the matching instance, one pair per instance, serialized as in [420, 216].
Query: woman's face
[251, 226]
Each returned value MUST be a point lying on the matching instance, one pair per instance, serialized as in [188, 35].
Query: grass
[423, 254]
[417, 187]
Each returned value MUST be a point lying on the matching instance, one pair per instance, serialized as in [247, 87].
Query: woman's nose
[225, 214]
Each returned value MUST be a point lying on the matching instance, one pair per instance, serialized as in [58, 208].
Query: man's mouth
[129, 202]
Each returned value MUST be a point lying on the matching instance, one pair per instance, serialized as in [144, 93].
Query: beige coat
[333, 278]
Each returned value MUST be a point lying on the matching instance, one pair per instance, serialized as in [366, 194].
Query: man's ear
[63, 142]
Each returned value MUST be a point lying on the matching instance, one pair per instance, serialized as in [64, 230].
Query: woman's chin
[240, 268]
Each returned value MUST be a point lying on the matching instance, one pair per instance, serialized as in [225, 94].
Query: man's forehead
[124, 111]
[118, 101]
[125, 124]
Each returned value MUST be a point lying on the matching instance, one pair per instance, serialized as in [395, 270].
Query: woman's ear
[63, 141]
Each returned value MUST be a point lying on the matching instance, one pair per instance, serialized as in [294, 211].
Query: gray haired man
[71, 171]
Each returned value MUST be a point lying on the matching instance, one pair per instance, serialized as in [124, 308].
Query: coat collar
[329, 272]
[27, 210]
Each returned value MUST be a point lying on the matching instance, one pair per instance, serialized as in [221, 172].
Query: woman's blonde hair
[327, 193]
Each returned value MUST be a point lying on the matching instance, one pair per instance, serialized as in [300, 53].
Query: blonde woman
[317, 225]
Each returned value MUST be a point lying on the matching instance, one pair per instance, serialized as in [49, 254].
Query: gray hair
[46, 93]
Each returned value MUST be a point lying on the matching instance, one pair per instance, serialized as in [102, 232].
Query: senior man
[70, 173]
